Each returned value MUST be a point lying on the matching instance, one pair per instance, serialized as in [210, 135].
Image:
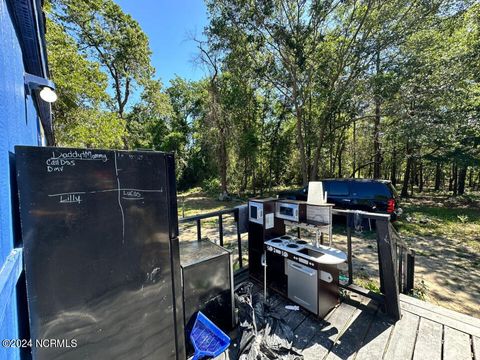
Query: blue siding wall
[18, 126]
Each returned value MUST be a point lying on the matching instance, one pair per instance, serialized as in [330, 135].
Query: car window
[371, 190]
[393, 190]
[336, 188]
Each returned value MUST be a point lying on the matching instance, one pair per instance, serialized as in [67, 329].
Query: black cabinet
[262, 226]
[276, 274]
[207, 284]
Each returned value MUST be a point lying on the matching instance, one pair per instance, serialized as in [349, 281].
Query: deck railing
[238, 215]
[396, 261]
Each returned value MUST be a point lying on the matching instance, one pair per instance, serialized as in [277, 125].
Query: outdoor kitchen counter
[331, 256]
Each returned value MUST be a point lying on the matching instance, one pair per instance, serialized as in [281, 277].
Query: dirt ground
[444, 234]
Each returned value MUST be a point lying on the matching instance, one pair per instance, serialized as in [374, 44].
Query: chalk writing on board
[70, 199]
[138, 157]
[60, 159]
[132, 195]
[137, 192]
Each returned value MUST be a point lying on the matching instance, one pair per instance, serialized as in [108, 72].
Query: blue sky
[169, 24]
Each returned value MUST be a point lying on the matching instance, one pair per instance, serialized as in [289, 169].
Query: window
[371, 190]
[337, 188]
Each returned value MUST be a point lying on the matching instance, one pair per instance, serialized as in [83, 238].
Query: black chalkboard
[101, 252]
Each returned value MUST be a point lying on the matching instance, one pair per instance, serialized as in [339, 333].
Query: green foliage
[78, 116]
[147, 122]
[211, 186]
[111, 37]
[94, 129]
[296, 91]
[420, 291]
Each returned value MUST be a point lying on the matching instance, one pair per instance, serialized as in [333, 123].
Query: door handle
[346, 200]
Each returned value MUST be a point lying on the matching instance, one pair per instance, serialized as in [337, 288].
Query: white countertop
[331, 256]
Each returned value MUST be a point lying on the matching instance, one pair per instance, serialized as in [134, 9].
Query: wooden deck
[357, 329]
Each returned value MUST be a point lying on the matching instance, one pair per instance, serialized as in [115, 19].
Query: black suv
[356, 194]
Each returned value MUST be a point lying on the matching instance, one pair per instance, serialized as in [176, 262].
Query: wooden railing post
[388, 274]
[410, 272]
[220, 228]
[349, 219]
[199, 230]
[400, 270]
[239, 238]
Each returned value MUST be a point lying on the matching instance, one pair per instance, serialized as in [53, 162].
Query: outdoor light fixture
[48, 95]
[45, 86]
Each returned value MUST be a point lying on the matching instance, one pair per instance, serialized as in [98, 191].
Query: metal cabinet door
[302, 285]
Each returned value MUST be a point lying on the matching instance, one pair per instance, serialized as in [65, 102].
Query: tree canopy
[294, 91]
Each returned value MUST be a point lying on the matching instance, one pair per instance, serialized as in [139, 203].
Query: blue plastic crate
[207, 338]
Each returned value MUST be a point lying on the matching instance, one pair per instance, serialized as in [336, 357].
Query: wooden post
[220, 228]
[349, 219]
[387, 266]
[400, 271]
[199, 230]
[239, 238]
[410, 270]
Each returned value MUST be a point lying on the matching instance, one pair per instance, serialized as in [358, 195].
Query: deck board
[430, 311]
[375, 341]
[306, 331]
[402, 340]
[429, 341]
[357, 329]
[348, 344]
[456, 345]
[476, 347]
[321, 343]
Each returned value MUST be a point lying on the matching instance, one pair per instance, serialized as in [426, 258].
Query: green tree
[114, 39]
[79, 117]
[148, 121]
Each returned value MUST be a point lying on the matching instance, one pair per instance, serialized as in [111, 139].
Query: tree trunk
[413, 176]
[243, 186]
[340, 160]
[406, 176]
[354, 163]
[462, 175]
[438, 176]
[318, 147]
[450, 179]
[216, 117]
[300, 138]
[393, 172]
[455, 179]
[223, 162]
[376, 128]
[420, 177]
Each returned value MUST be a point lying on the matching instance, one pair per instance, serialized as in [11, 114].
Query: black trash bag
[265, 336]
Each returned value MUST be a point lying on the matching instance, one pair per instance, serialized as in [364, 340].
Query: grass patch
[195, 201]
[438, 219]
